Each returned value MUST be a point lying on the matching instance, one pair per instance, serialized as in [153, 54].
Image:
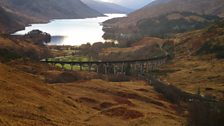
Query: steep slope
[176, 22]
[50, 9]
[161, 7]
[9, 21]
[13, 48]
[164, 26]
[45, 10]
[163, 18]
[105, 7]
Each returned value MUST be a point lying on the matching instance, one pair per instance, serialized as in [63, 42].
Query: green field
[74, 59]
[71, 58]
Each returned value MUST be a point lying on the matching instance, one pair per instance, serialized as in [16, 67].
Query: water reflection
[73, 31]
[58, 40]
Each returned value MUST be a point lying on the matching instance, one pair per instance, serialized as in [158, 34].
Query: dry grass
[194, 73]
[146, 48]
[23, 49]
[120, 103]
[147, 41]
[197, 73]
[26, 100]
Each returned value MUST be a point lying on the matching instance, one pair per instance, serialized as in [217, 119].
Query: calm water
[73, 31]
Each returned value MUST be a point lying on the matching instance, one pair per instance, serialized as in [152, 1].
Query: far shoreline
[93, 25]
[45, 21]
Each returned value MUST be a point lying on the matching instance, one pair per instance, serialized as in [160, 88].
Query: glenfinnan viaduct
[106, 67]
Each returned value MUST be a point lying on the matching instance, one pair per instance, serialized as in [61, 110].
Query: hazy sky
[130, 3]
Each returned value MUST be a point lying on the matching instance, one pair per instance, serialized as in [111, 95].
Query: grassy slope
[191, 74]
[29, 101]
[26, 100]
[159, 7]
[146, 48]
[191, 71]
[14, 48]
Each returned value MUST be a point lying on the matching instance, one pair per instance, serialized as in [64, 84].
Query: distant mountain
[164, 18]
[161, 7]
[106, 7]
[133, 4]
[30, 11]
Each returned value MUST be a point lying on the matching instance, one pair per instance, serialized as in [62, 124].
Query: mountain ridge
[106, 7]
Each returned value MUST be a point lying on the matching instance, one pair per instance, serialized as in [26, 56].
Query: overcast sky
[130, 3]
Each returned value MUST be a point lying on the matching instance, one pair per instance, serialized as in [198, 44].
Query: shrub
[118, 78]
[62, 77]
[38, 37]
[8, 55]
[214, 46]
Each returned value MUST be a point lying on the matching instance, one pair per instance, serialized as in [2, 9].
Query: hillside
[164, 26]
[9, 21]
[13, 48]
[43, 10]
[106, 7]
[37, 94]
[172, 23]
[163, 18]
[144, 49]
[32, 101]
[189, 32]
[161, 7]
[198, 64]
